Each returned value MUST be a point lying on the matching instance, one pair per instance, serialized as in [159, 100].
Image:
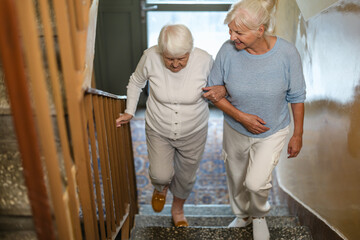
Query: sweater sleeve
[216, 76]
[136, 83]
[211, 64]
[297, 89]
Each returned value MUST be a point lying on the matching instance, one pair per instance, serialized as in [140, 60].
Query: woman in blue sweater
[262, 74]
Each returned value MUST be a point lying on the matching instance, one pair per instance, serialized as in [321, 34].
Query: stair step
[18, 235]
[13, 192]
[189, 233]
[215, 221]
[207, 210]
[16, 223]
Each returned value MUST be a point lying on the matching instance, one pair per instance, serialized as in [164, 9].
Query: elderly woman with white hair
[262, 74]
[176, 114]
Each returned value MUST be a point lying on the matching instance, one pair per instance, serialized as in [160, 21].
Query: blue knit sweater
[262, 85]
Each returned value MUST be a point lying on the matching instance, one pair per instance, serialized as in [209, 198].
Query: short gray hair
[252, 14]
[175, 40]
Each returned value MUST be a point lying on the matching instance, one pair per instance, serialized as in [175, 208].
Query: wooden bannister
[94, 197]
[114, 152]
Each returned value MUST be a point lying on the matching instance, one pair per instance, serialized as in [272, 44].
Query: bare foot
[177, 212]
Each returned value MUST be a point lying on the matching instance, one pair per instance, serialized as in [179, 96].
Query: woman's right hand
[253, 123]
[214, 93]
[123, 118]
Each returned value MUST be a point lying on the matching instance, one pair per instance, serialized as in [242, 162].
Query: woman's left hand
[214, 93]
[294, 146]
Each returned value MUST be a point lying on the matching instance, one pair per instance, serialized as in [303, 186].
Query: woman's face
[175, 64]
[243, 37]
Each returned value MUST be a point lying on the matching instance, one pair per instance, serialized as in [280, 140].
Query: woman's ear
[260, 31]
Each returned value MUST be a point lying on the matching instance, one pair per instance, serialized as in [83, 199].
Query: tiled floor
[210, 186]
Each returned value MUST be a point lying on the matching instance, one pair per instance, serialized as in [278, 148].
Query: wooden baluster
[118, 166]
[109, 123]
[124, 173]
[108, 161]
[74, 96]
[130, 166]
[87, 168]
[123, 187]
[15, 80]
[103, 161]
[81, 7]
[54, 76]
[35, 65]
[90, 119]
[77, 43]
[125, 231]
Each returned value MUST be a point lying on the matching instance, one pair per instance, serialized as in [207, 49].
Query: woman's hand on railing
[123, 118]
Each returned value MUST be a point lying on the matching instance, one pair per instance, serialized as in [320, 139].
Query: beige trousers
[249, 163]
[175, 162]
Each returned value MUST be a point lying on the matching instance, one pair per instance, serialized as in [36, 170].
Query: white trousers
[175, 162]
[249, 164]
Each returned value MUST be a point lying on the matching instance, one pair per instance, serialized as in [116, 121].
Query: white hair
[252, 14]
[176, 40]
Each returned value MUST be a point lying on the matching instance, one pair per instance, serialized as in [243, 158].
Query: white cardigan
[175, 107]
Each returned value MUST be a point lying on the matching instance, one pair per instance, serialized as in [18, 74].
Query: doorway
[126, 28]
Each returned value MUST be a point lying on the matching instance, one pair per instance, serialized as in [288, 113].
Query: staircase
[211, 221]
[206, 221]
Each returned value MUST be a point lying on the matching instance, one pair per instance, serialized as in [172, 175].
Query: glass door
[205, 19]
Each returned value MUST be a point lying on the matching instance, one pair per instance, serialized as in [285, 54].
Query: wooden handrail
[104, 94]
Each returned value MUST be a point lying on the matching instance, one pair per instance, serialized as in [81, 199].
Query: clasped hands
[252, 123]
[214, 93]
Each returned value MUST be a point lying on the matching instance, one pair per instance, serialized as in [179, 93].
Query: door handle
[145, 8]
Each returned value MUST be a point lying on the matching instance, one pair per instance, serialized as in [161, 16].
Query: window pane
[207, 28]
